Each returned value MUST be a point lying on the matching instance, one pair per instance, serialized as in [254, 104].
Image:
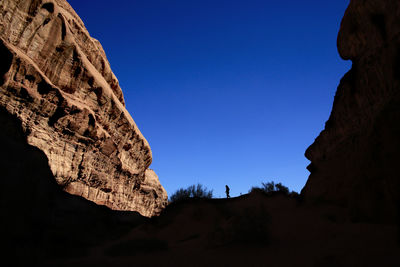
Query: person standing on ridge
[227, 191]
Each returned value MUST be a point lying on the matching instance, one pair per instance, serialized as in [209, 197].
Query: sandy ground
[252, 230]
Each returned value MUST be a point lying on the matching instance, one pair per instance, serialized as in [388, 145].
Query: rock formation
[355, 159]
[39, 220]
[56, 80]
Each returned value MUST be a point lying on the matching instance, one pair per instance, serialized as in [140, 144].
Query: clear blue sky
[226, 92]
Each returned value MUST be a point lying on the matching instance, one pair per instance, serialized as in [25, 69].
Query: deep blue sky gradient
[226, 92]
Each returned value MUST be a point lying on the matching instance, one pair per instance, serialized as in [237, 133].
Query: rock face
[39, 220]
[355, 159]
[56, 80]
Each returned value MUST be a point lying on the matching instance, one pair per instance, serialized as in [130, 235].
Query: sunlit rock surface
[57, 81]
[355, 159]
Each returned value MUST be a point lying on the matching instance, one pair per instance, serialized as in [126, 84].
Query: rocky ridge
[354, 161]
[57, 81]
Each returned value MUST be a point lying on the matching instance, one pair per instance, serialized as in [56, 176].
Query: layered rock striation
[355, 159]
[57, 81]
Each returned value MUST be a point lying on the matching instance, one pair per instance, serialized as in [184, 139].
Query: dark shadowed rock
[355, 159]
[63, 123]
[39, 220]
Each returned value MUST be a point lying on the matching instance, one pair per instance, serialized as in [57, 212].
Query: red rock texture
[355, 159]
[56, 79]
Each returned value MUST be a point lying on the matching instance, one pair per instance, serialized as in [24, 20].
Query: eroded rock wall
[56, 79]
[40, 221]
[355, 159]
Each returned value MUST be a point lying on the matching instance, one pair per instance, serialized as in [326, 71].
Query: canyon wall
[57, 81]
[355, 159]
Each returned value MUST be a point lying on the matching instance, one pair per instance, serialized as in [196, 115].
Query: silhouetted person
[227, 191]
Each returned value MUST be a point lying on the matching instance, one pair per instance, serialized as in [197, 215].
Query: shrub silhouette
[193, 191]
[268, 187]
[271, 187]
[281, 188]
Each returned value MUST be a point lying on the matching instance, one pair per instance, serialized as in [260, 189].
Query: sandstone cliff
[355, 159]
[56, 79]
[38, 219]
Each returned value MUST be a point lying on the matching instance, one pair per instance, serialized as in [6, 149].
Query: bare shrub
[193, 191]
